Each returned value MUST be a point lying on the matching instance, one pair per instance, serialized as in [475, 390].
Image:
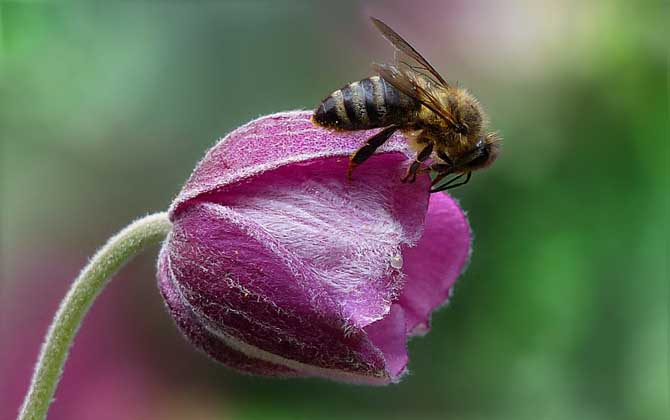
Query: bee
[444, 124]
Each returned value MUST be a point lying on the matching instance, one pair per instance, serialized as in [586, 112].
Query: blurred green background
[563, 312]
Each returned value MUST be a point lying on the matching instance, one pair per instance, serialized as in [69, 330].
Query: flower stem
[93, 278]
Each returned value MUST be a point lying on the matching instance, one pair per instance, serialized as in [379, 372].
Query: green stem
[94, 277]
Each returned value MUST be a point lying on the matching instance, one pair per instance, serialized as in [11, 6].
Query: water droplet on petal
[396, 261]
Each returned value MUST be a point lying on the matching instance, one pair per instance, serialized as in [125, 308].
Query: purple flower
[278, 265]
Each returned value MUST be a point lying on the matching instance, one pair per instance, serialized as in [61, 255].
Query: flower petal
[191, 327]
[270, 142]
[434, 264]
[390, 336]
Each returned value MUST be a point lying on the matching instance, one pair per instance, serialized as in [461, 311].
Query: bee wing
[407, 82]
[403, 46]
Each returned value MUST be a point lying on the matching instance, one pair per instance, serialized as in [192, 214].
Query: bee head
[485, 153]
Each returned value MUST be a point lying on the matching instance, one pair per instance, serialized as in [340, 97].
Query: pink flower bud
[278, 265]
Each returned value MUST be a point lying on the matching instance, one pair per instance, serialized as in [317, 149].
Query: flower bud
[279, 265]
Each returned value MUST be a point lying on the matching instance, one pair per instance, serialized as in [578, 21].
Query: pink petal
[389, 335]
[434, 264]
[270, 142]
[205, 340]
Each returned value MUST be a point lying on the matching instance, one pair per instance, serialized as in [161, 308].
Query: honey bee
[444, 124]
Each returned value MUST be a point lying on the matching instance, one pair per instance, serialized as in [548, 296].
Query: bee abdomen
[369, 103]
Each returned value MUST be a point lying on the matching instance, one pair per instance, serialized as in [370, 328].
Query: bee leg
[445, 157]
[442, 170]
[367, 150]
[410, 175]
[450, 184]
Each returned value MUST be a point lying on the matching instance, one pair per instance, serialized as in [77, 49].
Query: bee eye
[481, 159]
[461, 128]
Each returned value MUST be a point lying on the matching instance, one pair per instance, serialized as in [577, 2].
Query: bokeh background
[563, 312]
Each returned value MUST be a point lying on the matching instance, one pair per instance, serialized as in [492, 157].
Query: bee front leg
[442, 170]
[373, 143]
[410, 175]
[451, 183]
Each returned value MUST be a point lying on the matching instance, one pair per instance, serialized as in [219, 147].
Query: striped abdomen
[370, 103]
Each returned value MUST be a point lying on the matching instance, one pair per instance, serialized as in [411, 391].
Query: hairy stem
[93, 278]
